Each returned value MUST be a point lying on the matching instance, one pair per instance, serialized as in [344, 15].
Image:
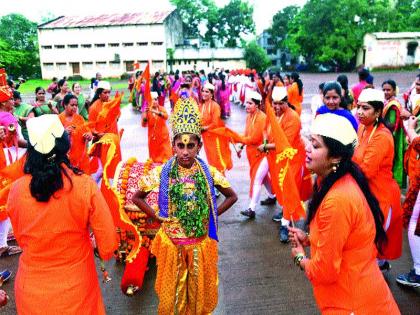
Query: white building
[390, 50]
[108, 43]
[111, 43]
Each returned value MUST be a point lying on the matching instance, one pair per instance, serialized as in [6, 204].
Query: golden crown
[186, 117]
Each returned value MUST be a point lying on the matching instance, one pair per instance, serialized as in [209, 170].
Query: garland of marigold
[191, 211]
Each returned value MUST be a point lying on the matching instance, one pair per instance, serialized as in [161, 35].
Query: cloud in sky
[36, 10]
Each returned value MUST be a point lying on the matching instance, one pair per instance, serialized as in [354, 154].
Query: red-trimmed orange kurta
[374, 155]
[294, 98]
[57, 273]
[217, 149]
[160, 149]
[291, 125]
[343, 270]
[253, 138]
[78, 150]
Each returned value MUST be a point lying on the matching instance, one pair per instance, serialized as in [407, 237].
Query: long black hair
[346, 99]
[378, 106]
[222, 78]
[296, 78]
[96, 96]
[347, 166]
[47, 169]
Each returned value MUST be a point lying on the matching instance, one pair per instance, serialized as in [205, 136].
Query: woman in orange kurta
[78, 132]
[258, 164]
[345, 225]
[289, 121]
[374, 155]
[101, 126]
[295, 92]
[154, 118]
[101, 96]
[52, 209]
[216, 147]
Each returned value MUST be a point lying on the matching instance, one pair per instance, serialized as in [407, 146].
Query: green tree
[403, 16]
[193, 13]
[256, 57]
[19, 45]
[414, 19]
[280, 25]
[332, 30]
[235, 20]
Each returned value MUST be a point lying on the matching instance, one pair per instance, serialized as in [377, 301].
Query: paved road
[257, 275]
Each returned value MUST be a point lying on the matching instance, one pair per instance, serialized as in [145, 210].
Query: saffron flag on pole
[146, 76]
[284, 182]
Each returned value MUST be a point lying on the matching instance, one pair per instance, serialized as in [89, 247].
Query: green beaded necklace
[191, 212]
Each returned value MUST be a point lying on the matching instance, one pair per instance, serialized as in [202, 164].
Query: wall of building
[391, 52]
[109, 50]
[189, 58]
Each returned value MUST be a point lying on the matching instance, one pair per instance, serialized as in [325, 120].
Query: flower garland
[191, 211]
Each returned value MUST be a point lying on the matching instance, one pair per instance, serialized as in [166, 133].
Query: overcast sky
[35, 10]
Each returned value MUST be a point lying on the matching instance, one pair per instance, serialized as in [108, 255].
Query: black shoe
[248, 213]
[284, 234]
[268, 202]
[386, 266]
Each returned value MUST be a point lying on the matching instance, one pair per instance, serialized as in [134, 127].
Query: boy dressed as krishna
[186, 244]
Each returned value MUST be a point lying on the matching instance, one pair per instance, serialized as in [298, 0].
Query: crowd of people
[339, 192]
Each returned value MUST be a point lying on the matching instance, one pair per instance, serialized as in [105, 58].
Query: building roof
[399, 35]
[157, 17]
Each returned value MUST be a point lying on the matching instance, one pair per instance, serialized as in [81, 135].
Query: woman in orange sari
[345, 225]
[289, 121]
[374, 155]
[53, 208]
[295, 92]
[154, 118]
[258, 163]
[216, 147]
[78, 132]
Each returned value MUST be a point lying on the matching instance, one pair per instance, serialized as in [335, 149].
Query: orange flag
[110, 156]
[146, 76]
[109, 113]
[228, 133]
[284, 182]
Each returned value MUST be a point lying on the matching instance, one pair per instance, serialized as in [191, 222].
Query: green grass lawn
[28, 88]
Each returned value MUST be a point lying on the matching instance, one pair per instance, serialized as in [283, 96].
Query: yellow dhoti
[187, 280]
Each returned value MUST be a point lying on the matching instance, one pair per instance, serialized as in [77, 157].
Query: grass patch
[29, 86]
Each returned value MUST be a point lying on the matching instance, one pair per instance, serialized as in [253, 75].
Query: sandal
[9, 251]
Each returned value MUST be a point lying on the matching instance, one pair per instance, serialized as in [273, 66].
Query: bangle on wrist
[298, 259]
